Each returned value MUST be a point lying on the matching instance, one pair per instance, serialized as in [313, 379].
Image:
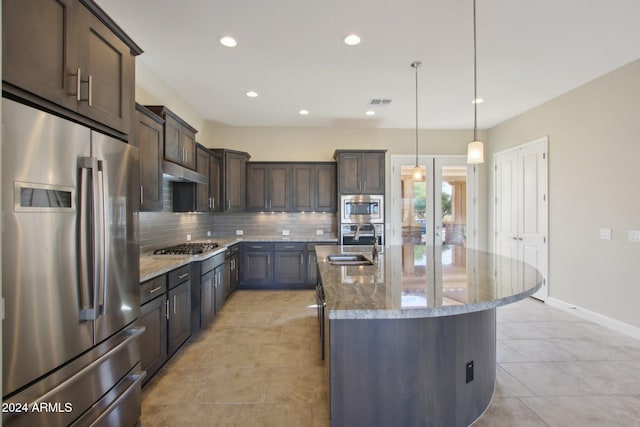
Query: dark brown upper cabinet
[234, 179]
[314, 187]
[149, 138]
[179, 138]
[269, 187]
[361, 171]
[70, 54]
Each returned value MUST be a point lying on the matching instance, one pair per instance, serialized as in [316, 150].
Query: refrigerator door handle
[102, 246]
[87, 238]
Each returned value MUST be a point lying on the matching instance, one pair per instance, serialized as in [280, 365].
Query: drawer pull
[182, 276]
[289, 247]
[154, 290]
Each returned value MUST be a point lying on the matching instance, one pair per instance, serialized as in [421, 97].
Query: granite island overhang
[412, 337]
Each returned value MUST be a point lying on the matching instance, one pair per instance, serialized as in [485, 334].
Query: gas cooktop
[187, 249]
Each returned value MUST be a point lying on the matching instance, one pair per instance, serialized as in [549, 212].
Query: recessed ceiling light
[228, 41]
[477, 101]
[252, 94]
[351, 39]
[370, 113]
[303, 112]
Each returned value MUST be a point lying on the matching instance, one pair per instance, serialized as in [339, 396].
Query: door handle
[90, 100]
[78, 77]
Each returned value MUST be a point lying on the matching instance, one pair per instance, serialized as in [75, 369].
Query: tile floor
[257, 365]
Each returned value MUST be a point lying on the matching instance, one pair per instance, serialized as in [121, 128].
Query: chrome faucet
[356, 236]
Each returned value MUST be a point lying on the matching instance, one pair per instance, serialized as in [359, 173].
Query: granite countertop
[154, 265]
[413, 281]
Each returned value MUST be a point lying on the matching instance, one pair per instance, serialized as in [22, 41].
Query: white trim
[592, 316]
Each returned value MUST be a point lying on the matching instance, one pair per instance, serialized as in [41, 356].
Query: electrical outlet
[605, 234]
[239, 232]
[208, 233]
[634, 236]
[319, 232]
[469, 370]
[285, 232]
[188, 237]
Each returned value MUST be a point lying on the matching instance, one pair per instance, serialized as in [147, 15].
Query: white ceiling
[290, 52]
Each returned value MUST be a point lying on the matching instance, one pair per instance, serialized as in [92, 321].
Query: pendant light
[475, 149]
[417, 170]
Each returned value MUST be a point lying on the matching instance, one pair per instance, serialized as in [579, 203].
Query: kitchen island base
[412, 371]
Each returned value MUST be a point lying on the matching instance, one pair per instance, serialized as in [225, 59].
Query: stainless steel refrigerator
[70, 273]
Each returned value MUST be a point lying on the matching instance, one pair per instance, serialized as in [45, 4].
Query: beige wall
[594, 148]
[152, 90]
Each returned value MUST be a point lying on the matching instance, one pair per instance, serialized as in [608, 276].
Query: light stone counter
[154, 265]
[414, 281]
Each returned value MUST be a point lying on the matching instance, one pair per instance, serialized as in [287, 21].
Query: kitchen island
[412, 338]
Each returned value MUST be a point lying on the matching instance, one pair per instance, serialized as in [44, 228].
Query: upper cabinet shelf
[71, 54]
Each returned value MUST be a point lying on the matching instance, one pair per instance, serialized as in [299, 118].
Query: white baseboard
[607, 322]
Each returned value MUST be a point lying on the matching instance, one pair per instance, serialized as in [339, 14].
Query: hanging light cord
[415, 65]
[475, 78]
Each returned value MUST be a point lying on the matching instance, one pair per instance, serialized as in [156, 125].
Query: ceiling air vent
[379, 102]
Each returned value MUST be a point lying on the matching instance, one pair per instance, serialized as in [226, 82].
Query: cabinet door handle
[167, 309]
[141, 194]
[301, 259]
[266, 206]
[229, 200]
[213, 203]
[268, 259]
[90, 100]
[175, 306]
[78, 76]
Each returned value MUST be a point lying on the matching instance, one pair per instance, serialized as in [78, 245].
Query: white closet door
[506, 214]
[533, 212]
[521, 223]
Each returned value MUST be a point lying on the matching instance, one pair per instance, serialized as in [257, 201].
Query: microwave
[355, 209]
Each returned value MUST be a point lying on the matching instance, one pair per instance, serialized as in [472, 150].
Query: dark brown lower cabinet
[257, 266]
[153, 343]
[289, 263]
[278, 265]
[179, 325]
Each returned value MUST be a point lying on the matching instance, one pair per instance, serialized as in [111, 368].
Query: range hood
[177, 173]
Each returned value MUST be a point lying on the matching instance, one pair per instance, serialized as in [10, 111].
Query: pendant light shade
[417, 170]
[475, 149]
[475, 153]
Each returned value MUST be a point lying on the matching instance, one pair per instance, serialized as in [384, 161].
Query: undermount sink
[349, 259]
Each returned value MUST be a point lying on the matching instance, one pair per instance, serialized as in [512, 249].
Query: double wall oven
[366, 212]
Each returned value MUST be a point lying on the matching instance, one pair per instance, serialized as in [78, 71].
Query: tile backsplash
[166, 228]
[160, 229]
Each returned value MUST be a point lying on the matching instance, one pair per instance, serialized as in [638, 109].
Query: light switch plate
[208, 233]
[285, 232]
[319, 232]
[239, 232]
[605, 233]
[188, 237]
[634, 236]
